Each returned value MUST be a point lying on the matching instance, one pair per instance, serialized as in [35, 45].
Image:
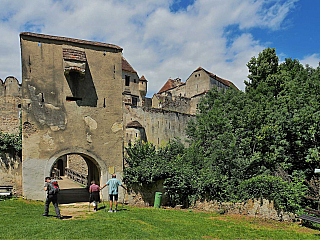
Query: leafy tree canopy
[263, 142]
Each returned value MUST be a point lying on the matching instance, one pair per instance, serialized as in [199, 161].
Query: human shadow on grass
[55, 216]
[106, 209]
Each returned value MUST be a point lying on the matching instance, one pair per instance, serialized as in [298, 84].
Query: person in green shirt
[113, 184]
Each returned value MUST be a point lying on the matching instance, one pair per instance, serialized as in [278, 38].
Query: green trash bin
[157, 199]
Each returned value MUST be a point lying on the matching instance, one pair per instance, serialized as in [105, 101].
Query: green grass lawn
[21, 219]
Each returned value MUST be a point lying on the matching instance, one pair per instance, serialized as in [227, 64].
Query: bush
[10, 142]
[287, 196]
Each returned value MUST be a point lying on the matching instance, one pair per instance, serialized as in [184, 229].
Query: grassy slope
[22, 219]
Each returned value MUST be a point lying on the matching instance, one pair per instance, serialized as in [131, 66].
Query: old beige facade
[72, 104]
[185, 96]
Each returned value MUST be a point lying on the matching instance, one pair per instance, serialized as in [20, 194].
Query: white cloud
[158, 43]
[313, 60]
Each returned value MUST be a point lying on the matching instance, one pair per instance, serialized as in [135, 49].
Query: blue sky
[299, 35]
[170, 38]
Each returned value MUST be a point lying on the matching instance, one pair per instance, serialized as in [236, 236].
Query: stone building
[82, 102]
[72, 104]
[184, 97]
[134, 88]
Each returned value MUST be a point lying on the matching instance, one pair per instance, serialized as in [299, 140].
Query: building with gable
[184, 97]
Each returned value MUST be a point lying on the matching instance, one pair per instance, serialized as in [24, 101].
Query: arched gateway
[72, 104]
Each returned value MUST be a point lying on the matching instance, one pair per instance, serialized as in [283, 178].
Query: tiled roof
[72, 54]
[170, 84]
[224, 81]
[143, 79]
[73, 40]
[126, 66]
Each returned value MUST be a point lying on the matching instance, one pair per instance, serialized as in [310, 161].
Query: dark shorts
[113, 195]
[95, 196]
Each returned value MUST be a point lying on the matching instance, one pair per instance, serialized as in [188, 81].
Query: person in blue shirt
[113, 184]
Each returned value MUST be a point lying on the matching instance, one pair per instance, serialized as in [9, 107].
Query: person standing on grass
[51, 197]
[113, 184]
[94, 191]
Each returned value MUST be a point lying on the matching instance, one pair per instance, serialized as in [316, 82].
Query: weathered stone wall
[144, 196]
[77, 163]
[178, 104]
[10, 103]
[160, 125]
[11, 171]
[254, 207]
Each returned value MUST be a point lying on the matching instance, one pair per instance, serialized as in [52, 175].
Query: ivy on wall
[10, 142]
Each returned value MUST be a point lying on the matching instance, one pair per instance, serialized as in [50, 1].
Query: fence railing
[56, 173]
[76, 176]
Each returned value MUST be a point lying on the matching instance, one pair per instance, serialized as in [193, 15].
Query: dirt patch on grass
[75, 210]
[220, 218]
[28, 201]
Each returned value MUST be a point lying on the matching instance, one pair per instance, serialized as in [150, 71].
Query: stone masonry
[10, 105]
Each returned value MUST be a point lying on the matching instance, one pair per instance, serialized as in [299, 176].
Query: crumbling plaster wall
[52, 126]
[178, 104]
[160, 125]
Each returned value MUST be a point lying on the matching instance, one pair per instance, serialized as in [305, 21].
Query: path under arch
[71, 192]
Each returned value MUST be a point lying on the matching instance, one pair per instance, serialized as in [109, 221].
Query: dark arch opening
[74, 173]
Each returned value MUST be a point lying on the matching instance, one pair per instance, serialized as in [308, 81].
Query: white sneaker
[115, 210]
[110, 210]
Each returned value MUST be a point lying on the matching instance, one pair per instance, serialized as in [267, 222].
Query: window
[73, 99]
[127, 80]
[134, 80]
[134, 101]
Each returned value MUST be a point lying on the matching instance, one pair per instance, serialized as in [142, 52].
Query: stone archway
[94, 163]
[73, 183]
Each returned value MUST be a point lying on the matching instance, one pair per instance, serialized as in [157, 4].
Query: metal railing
[76, 176]
[56, 173]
